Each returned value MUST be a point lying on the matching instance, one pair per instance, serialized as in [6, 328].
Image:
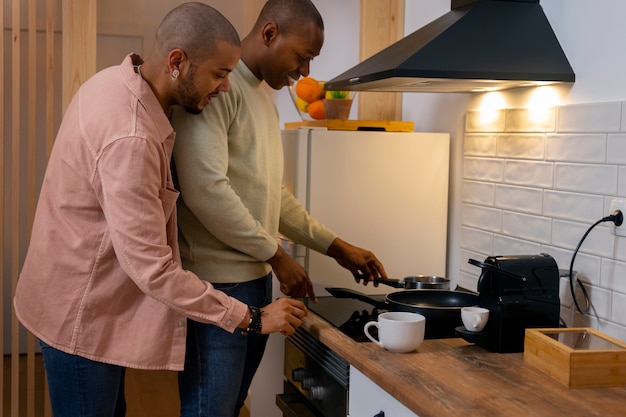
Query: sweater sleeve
[298, 225]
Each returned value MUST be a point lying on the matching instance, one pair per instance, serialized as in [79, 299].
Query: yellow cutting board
[365, 125]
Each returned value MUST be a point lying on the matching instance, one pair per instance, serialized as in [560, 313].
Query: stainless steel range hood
[481, 46]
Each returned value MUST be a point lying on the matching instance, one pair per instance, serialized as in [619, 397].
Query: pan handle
[496, 269]
[348, 293]
[395, 283]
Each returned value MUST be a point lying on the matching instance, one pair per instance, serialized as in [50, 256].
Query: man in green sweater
[233, 205]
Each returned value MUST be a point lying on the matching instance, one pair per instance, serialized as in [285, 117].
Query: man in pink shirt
[102, 285]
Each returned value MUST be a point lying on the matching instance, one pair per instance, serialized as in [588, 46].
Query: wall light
[541, 102]
[490, 107]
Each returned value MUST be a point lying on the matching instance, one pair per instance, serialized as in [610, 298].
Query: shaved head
[290, 15]
[195, 28]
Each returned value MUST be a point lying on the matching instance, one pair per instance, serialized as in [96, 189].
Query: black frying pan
[441, 308]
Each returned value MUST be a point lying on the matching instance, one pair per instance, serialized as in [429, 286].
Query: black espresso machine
[520, 291]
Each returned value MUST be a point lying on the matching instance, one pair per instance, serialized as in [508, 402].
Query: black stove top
[350, 315]
[347, 314]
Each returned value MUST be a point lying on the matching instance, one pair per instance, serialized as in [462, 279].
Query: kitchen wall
[559, 172]
[533, 182]
[591, 34]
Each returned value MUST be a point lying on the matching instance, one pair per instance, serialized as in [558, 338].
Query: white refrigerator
[383, 191]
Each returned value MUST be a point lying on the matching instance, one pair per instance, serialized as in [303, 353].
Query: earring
[175, 74]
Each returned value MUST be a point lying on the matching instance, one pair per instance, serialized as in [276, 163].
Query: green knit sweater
[229, 162]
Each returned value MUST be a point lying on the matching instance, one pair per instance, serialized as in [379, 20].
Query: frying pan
[441, 308]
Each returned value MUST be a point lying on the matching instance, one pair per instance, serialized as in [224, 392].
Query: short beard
[189, 97]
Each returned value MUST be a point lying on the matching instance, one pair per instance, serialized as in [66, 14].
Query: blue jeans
[80, 387]
[219, 366]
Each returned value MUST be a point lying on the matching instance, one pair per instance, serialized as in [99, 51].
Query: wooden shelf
[365, 125]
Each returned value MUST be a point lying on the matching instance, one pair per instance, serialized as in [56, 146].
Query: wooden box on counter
[577, 357]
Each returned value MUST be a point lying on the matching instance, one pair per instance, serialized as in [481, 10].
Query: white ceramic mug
[474, 318]
[398, 331]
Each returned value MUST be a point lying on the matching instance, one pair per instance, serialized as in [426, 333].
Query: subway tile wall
[534, 182]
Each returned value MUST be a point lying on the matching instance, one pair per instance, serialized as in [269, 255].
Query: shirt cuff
[236, 313]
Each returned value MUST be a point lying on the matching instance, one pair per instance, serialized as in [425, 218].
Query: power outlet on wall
[618, 205]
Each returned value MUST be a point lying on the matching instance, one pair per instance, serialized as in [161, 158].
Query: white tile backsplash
[525, 120]
[483, 169]
[601, 302]
[481, 241]
[507, 245]
[562, 256]
[618, 308]
[480, 145]
[567, 234]
[483, 193]
[613, 329]
[592, 117]
[467, 268]
[484, 218]
[521, 146]
[524, 199]
[613, 275]
[616, 148]
[573, 206]
[621, 182]
[534, 228]
[587, 266]
[535, 183]
[593, 179]
[531, 173]
[485, 121]
[589, 148]
[619, 249]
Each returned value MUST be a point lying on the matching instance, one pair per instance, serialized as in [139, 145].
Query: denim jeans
[80, 387]
[219, 366]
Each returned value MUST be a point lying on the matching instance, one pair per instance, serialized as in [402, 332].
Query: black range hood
[478, 46]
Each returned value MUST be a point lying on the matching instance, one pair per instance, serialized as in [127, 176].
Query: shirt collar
[144, 94]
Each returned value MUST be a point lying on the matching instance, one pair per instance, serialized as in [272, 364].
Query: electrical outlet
[618, 205]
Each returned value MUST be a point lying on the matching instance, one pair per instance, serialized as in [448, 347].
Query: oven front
[316, 379]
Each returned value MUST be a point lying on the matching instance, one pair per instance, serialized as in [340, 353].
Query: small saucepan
[417, 282]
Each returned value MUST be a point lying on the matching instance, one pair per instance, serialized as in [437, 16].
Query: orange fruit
[309, 89]
[316, 110]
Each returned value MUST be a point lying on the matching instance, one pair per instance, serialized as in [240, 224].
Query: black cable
[617, 218]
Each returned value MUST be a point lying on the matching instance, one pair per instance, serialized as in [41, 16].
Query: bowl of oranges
[314, 102]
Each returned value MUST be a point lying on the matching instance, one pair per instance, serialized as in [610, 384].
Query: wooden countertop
[451, 377]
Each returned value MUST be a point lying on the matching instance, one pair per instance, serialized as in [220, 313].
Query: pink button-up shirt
[102, 277]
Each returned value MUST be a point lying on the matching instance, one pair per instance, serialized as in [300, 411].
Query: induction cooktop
[347, 314]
